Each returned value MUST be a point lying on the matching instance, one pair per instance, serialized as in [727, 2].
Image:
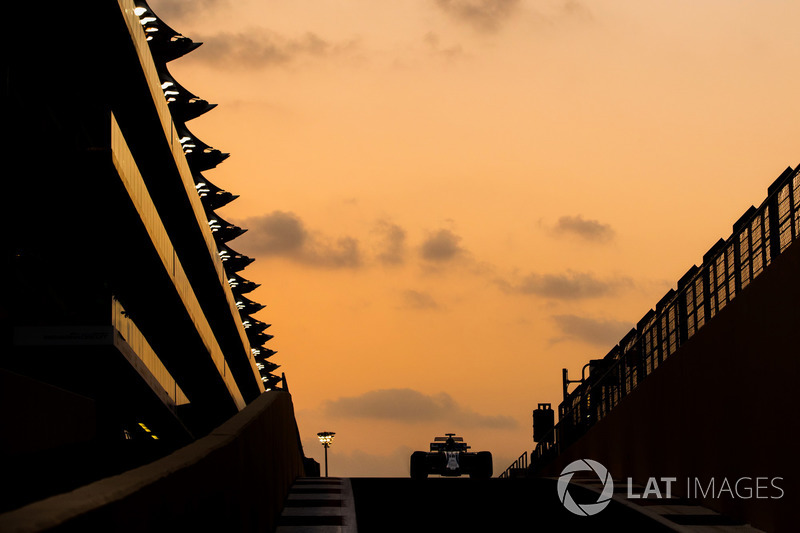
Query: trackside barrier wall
[723, 407]
[728, 269]
[234, 479]
[727, 339]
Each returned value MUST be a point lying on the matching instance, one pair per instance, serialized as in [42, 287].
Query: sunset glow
[449, 201]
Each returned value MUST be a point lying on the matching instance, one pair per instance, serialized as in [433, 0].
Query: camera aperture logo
[743, 488]
[585, 509]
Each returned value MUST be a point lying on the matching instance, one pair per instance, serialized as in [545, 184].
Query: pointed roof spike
[254, 324]
[223, 230]
[264, 353]
[232, 260]
[269, 366]
[270, 381]
[183, 104]
[258, 339]
[213, 197]
[205, 159]
[166, 44]
[247, 306]
[240, 285]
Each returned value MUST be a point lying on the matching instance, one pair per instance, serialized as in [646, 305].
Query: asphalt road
[467, 505]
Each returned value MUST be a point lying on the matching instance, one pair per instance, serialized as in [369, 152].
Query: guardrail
[521, 464]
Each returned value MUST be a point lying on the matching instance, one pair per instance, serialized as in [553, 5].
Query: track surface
[467, 505]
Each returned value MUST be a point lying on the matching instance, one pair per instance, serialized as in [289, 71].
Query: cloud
[568, 286]
[450, 53]
[392, 243]
[577, 9]
[260, 47]
[410, 406]
[419, 300]
[588, 230]
[176, 11]
[483, 15]
[283, 234]
[590, 330]
[441, 246]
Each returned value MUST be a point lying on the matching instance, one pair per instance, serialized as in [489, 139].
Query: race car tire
[419, 470]
[482, 468]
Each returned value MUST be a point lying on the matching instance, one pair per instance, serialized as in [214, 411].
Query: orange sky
[451, 200]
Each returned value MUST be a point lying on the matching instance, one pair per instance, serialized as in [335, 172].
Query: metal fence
[729, 266]
[521, 464]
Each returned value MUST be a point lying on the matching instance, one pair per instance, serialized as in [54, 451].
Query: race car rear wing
[439, 443]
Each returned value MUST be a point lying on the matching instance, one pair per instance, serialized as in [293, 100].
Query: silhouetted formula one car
[449, 457]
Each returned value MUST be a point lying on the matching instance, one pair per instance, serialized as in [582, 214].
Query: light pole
[326, 437]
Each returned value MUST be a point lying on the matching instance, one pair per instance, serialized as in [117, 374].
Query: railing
[134, 183]
[133, 337]
[760, 235]
[520, 464]
[545, 450]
